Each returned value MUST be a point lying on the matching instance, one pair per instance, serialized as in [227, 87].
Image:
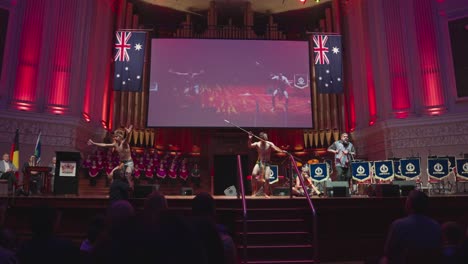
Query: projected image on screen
[250, 83]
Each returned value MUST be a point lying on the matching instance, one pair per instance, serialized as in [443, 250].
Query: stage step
[273, 225]
[87, 190]
[275, 238]
[280, 234]
[276, 213]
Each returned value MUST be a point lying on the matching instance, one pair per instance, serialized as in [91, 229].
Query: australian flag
[328, 63]
[129, 59]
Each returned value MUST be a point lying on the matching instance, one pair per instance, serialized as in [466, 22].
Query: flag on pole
[37, 149]
[14, 153]
[129, 59]
[328, 63]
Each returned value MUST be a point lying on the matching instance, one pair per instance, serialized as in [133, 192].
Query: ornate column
[396, 53]
[25, 95]
[431, 88]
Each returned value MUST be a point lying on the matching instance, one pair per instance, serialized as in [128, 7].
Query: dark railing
[311, 205]
[244, 209]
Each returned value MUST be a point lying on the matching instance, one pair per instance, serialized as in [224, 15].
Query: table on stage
[44, 174]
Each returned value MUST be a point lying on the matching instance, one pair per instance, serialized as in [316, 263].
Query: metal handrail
[311, 205]
[244, 209]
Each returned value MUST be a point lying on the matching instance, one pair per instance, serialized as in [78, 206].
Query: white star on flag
[335, 50]
[138, 46]
[126, 68]
[138, 77]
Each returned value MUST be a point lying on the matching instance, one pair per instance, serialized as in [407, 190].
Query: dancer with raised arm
[261, 171]
[122, 146]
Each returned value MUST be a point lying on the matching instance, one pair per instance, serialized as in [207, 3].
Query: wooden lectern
[42, 171]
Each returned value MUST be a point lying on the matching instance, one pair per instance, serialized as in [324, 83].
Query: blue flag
[328, 63]
[129, 59]
[37, 149]
[361, 171]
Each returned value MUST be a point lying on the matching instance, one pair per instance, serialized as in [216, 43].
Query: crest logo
[360, 170]
[410, 167]
[383, 168]
[271, 174]
[438, 167]
[465, 167]
[318, 171]
[300, 81]
[67, 168]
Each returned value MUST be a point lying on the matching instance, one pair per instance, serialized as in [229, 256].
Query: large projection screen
[220, 83]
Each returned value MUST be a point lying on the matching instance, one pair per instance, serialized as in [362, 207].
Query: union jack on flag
[328, 63]
[129, 59]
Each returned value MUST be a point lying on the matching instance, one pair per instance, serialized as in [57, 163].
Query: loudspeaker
[143, 190]
[387, 190]
[405, 186]
[230, 191]
[281, 191]
[186, 191]
[337, 188]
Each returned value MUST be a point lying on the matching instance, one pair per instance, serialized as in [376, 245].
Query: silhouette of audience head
[417, 202]
[155, 202]
[203, 205]
[155, 205]
[120, 213]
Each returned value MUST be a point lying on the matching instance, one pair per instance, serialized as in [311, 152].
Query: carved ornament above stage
[259, 6]
[65, 132]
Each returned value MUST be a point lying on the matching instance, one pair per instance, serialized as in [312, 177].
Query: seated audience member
[119, 188]
[45, 247]
[155, 204]
[96, 227]
[7, 171]
[416, 238]
[118, 241]
[463, 256]
[7, 247]
[452, 238]
[203, 206]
